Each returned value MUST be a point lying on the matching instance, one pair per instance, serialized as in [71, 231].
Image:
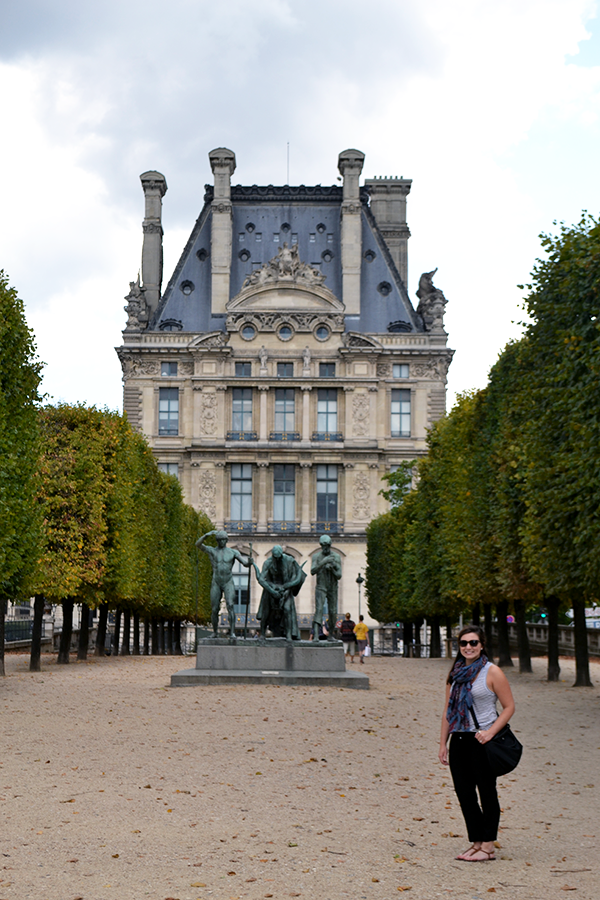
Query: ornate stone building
[284, 369]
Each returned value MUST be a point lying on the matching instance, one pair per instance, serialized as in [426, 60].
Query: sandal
[488, 856]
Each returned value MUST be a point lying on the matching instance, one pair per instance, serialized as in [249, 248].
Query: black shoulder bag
[503, 751]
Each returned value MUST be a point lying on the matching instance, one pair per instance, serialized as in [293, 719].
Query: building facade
[284, 370]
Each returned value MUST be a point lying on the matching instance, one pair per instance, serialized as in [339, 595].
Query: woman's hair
[468, 629]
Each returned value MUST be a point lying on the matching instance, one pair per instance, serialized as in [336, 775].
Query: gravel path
[114, 785]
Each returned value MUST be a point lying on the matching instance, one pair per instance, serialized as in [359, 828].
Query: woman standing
[474, 683]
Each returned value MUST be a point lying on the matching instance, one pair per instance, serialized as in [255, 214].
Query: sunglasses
[469, 643]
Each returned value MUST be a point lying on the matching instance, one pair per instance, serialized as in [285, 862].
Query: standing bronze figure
[222, 559]
[327, 566]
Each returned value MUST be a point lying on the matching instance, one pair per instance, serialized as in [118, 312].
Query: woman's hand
[483, 736]
[443, 755]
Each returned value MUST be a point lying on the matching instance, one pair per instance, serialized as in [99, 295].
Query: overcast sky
[492, 107]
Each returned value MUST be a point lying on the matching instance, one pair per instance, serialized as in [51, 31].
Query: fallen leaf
[491, 890]
[406, 887]
[72, 860]
[115, 855]
[248, 880]
[374, 879]
[231, 873]
[566, 887]
[197, 884]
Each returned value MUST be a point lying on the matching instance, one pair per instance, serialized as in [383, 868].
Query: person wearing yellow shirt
[362, 633]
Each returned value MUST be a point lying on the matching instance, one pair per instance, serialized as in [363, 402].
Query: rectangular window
[326, 370]
[240, 583]
[285, 370]
[242, 409]
[294, 238]
[400, 371]
[327, 410]
[168, 368]
[400, 418]
[276, 238]
[241, 492]
[327, 493]
[168, 411]
[284, 409]
[243, 369]
[284, 493]
[169, 468]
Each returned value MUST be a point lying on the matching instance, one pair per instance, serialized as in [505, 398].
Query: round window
[248, 332]
[322, 333]
[285, 333]
[187, 287]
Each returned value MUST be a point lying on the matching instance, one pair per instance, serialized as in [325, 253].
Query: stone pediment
[214, 340]
[285, 282]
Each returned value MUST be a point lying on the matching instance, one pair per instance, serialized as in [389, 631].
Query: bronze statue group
[281, 579]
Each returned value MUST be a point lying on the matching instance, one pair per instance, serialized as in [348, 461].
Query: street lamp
[360, 581]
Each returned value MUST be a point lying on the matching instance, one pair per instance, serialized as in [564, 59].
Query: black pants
[471, 773]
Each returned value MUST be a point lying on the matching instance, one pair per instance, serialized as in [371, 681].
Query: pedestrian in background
[348, 637]
[362, 635]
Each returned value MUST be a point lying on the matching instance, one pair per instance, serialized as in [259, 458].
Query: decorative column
[262, 466]
[348, 417]
[305, 488]
[350, 163]
[262, 434]
[220, 494]
[222, 163]
[306, 389]
[155, 187]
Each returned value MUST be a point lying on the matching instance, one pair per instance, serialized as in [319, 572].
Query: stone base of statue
[270, 661]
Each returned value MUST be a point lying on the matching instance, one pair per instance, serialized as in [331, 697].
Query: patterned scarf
[461, 701]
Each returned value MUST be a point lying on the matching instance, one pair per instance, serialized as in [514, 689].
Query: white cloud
[475, 101]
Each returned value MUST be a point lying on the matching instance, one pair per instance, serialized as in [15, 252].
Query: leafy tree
[20, 374]
[561, 527]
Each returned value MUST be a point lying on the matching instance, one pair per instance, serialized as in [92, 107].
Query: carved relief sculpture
[208, 414]
[362, 506]
[361, 409]
[286, 266]
[207, 493]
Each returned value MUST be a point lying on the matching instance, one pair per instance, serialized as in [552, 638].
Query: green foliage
[20, 374]
[115, 528]
[506, 502]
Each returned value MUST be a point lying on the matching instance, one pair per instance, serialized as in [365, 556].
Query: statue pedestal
[273, 661]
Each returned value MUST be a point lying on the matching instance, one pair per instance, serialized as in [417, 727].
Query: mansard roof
[263, 218]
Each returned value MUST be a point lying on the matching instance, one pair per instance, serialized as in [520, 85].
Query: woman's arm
[443, 754]
[498, 683]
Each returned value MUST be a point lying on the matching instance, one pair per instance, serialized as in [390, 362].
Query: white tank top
[484, 701]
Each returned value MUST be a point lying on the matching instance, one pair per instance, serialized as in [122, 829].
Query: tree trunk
[553, 605]
[489, 632]
[35, 659]
[418, 626]
[2, 634]
[136, 634]
[170, 637]
[177, 638]
[155, 647]
[435, 645]
[522, 638]
[408, 638]
[448, 628]
[84, 632]
[125, 648]
[475, 613]
[161, 636]
[582, 661]
[146, 636]
[65, 635]
[101, 633]
[117, 634]
[504, 658]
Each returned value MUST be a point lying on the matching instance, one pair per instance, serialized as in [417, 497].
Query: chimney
[155, 187]
[388, 205]
[222, 163]
[350, 163]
